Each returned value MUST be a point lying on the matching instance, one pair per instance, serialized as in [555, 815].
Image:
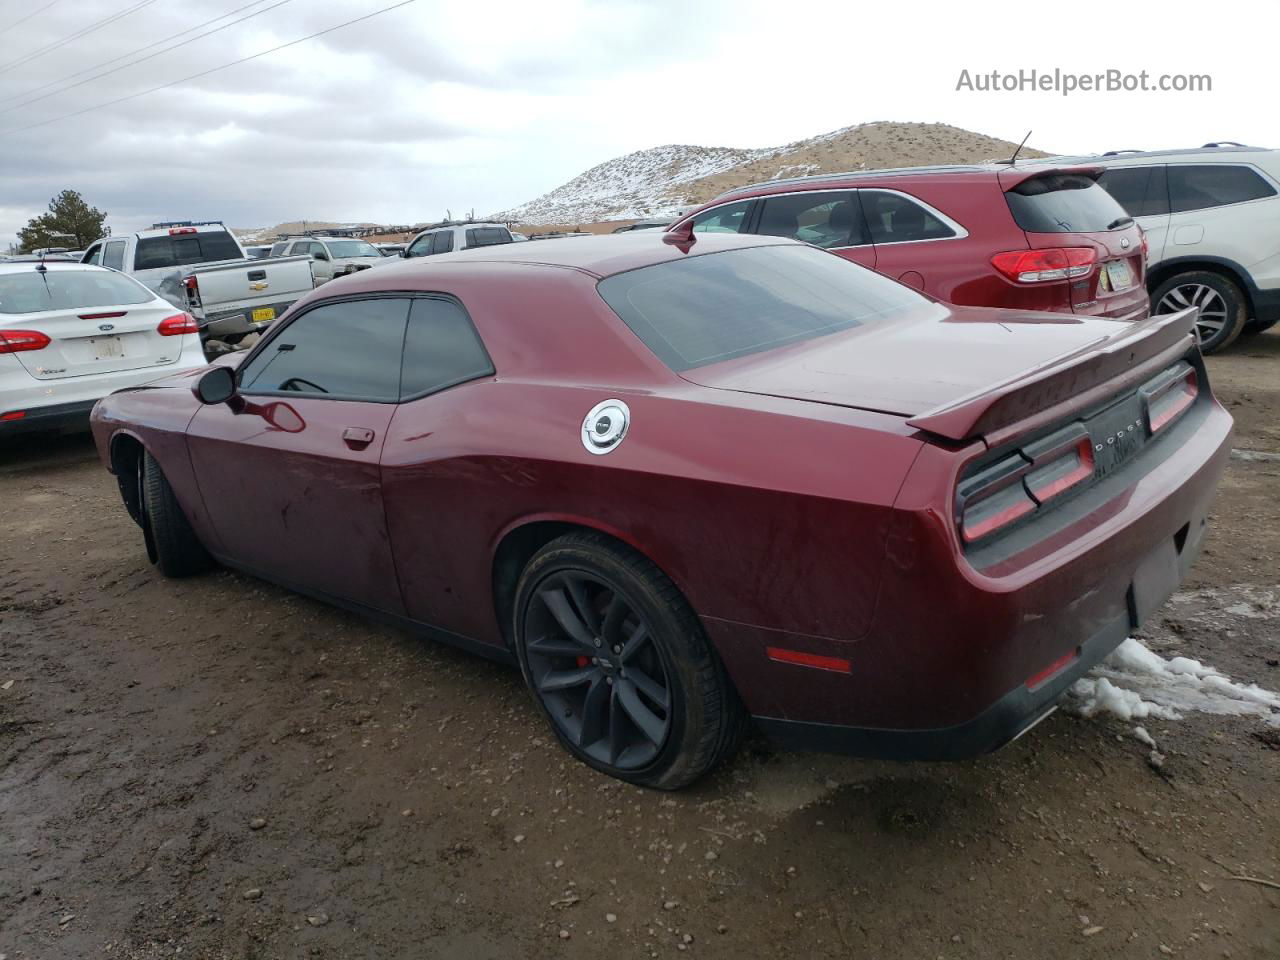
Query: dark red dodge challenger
[686, 482]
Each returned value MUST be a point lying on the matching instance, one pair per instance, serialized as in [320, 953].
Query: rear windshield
[183, 248]
[32, 291]
[1063, 203]
[718, 306]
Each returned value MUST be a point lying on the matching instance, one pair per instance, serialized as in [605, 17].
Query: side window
[299, 247]
[113, 254]
[1196, 187]
[487, 236]
[420, 247]
[442, 242]
[1142, 191]
[278, 249]
[317, 250]
[727, 219]
[94, 255]
[441, 348]
[340, 351]
[893, 218]
[823, 219]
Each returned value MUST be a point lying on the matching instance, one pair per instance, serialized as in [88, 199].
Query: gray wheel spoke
[595, 712]
[646, 721]
[566, 679]
[554, 646]
[585, 610]
[649, 687]
[558, 603]
[634, 643]
[615, 725]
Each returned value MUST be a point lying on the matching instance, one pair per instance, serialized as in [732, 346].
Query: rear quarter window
[1202, 186]
[1142, 191]
[487, 236]
[1063, 203]
[718, 306]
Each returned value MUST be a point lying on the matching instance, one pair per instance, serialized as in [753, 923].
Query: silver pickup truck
[201, 268]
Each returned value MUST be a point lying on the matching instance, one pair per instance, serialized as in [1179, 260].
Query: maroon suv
[1027, 237]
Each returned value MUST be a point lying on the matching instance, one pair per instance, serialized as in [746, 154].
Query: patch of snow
[1134, 683]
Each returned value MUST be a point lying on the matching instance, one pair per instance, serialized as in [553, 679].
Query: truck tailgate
[241, 287]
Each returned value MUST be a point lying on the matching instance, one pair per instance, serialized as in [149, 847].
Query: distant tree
[69, 222]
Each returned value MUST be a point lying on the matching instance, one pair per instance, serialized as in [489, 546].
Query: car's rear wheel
[1221, 303]
[171, 543]
[619, 663]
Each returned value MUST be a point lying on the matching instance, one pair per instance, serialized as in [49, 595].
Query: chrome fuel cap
[605, 426]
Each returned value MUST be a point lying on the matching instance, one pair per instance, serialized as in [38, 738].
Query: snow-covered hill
[664, 179]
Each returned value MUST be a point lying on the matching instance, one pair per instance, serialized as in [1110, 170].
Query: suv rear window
[718, 306]
[487, 236]
[1063, 203]
[183, 248]
[30, 292]
[1199, 187]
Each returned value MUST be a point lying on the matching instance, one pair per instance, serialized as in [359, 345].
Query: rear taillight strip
[1169, 396]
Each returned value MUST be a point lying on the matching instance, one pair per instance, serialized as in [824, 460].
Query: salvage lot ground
[415, 807]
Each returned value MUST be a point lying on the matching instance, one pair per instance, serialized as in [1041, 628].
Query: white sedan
[72, 333]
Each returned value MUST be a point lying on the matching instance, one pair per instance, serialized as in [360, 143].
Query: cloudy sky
[459, 105]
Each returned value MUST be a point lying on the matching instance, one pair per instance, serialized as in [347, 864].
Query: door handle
[357, 437]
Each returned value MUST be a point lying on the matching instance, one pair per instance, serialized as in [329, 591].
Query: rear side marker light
[801, 659]
[13, 415]
[177, 325]
[1042, 266]
[1169, 396]
[20, 341]
[1051, 670]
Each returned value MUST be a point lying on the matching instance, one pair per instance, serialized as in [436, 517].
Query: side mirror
[216, 385]
[321, 255]
[404, 253]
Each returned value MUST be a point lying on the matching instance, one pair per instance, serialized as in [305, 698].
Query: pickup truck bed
[240, 296]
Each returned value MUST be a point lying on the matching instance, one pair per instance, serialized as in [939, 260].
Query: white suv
[333, 256]
[1212, 221]
[448, 237]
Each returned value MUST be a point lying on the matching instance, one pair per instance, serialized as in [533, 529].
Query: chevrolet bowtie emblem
[259, 285]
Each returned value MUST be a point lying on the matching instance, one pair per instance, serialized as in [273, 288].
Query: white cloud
[462, 105]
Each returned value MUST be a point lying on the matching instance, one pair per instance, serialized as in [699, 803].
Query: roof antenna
[40, 267]
[1014, 158]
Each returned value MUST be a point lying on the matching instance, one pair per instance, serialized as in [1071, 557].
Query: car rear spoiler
[1010, 177]
[1067, 384]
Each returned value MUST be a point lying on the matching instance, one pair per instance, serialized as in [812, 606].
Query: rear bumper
[59, 416]
[1008, 718]
[239, 321]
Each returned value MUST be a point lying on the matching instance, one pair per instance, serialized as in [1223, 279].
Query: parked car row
[1115, 236]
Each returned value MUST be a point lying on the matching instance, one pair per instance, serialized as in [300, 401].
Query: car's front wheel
[171, 543]
[619, 663]
[1221, 302]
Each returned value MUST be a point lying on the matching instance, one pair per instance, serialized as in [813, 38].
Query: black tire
[1255, 327]
[1224, 308]
[703, 719]
[171, 543]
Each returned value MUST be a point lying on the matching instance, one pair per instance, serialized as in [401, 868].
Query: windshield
[714, 307]
[352, 248]
[32, 291]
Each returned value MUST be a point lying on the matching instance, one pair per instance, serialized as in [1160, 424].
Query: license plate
[1119, 274]
[106, 348]
[264, 314]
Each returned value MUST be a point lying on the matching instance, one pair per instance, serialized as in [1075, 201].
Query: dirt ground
[216, 768]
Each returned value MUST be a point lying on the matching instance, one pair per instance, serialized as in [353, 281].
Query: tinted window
[487, 236]
[1063, 203]
[726, 219]
[94, 256]
[420, 247]
[341, 350]
[893, 218]
[1140, 190]
[823, 219]
[441, 348]
[713, 307]
[184, 248]
[113, 255]
[277, 249]
[442, 242]
[1195, 187]
[29, 292]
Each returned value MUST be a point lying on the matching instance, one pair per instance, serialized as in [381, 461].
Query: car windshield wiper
[1119, 222]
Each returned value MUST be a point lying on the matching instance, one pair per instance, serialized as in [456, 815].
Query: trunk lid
[959, 372]
[96, 340]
